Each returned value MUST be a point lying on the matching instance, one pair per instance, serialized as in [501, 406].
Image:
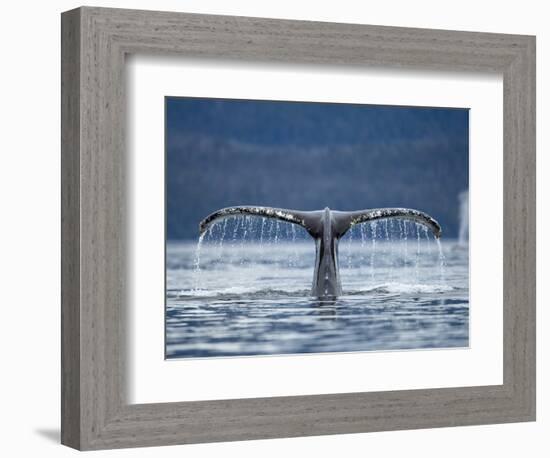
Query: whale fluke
[326, 227]
[349, 219]
[290, 216]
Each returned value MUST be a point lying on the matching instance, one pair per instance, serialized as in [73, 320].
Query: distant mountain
[310, 124]
[423, 165]
[304, 155]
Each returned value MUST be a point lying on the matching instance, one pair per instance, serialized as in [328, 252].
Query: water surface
[247, 292]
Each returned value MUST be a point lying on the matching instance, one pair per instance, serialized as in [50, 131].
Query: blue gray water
[246, 292]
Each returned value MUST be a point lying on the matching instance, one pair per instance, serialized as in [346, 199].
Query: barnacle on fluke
[326, 227]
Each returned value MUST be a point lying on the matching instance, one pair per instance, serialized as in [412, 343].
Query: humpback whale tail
[326, 227]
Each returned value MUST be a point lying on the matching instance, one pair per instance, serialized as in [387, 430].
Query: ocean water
[246, 291]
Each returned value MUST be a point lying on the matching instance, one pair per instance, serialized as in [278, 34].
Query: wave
[240, 291]
[408, 288]
[245, 292]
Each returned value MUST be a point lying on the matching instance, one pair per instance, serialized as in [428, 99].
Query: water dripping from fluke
[197, 262]
[442, 262]
[326, 227]
[350, 248]
[373, 250]
[295, 252]
[417, 258]
[222, 237]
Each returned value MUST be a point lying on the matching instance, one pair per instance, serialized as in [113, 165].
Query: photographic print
[307, 227]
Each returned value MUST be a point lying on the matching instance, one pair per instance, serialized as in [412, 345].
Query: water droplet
[417, 260]
[197, 261]
[373, 226]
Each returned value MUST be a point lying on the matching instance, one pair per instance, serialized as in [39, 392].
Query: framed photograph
[276, 228]
[239, 278]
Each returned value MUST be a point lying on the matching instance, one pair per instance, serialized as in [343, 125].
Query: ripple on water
[262, 305]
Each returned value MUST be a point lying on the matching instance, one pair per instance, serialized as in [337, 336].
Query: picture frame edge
[94, 412]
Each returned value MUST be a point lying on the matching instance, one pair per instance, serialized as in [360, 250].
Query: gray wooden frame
[95, 413]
